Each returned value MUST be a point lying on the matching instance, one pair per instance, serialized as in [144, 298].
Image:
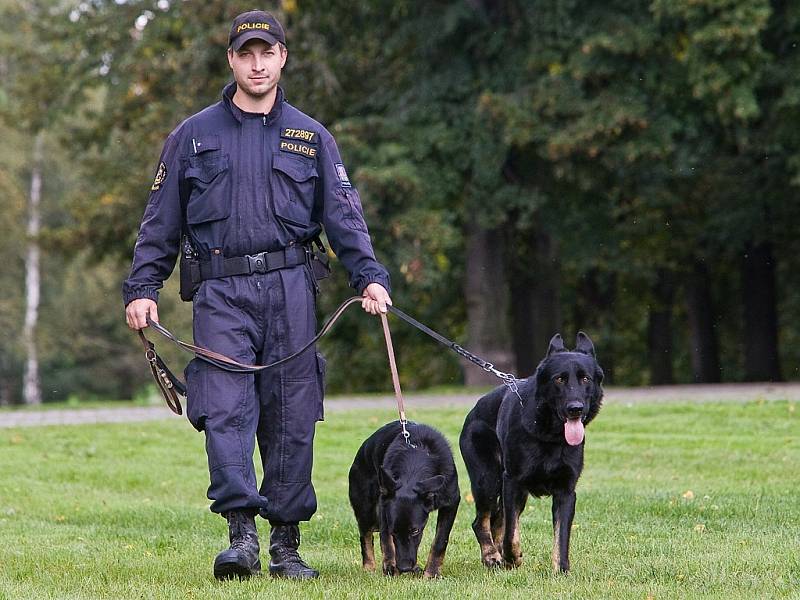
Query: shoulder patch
[161, 175]
[299, 134]
[342, 174]
[298, 148]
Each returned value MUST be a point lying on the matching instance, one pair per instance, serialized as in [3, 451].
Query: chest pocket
[293, 184]
[208, 176]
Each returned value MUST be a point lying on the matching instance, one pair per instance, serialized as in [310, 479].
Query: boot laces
[288, 551]
[293, 556]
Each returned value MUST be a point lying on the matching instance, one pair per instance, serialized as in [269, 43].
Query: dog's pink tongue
[573, 431]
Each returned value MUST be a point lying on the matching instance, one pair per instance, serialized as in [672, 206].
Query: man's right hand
[136, 313]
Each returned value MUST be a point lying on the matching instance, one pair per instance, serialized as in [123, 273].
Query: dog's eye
[415, 532]
[559, 380]
[586, 379]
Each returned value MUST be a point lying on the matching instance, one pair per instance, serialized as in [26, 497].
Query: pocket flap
[205, 171]
[205, 143]
[297, 169]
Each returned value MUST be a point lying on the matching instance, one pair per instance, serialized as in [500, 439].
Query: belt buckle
[257, 262]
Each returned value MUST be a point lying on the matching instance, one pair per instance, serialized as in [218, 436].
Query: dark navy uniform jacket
[250, 183]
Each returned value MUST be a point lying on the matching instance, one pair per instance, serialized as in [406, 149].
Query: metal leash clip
[406, 434]
[510, 382]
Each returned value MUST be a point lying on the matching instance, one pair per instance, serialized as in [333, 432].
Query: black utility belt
[263, 262]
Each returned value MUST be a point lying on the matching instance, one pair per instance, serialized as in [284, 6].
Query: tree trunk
[660, 330]
[760, 314]
[31, 391]
[702, 327]
[535, 302]
[593, 313]
[486, 291]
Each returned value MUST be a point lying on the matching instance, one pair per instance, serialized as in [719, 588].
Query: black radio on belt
[190, 270]
[318, 255]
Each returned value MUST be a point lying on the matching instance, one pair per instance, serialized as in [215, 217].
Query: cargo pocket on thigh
[322, 367]
[196, 374]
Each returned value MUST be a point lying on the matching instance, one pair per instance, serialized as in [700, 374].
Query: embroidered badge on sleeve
[342, 174]
[161, 175]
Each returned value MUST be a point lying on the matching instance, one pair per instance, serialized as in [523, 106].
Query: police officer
[251, 180]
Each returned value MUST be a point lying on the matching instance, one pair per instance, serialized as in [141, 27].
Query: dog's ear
[584, 344]
[556, 345]
[430, 485]
[387, 483]
[427, 490]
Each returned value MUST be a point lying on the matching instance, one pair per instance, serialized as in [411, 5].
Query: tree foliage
[634, 164]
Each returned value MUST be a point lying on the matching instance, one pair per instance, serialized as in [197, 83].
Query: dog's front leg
[387, 548]
[563, 513]
[367, 550]
[513, 503]
[444, 524]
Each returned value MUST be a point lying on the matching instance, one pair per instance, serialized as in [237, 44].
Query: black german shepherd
[532, 444]
[394, 486]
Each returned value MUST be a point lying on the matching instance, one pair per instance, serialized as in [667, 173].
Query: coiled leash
[172, 388]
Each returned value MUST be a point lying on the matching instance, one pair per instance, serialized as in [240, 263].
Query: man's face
[257, 67]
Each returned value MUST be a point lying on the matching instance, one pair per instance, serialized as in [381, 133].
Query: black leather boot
[284, 540]
[241, 559]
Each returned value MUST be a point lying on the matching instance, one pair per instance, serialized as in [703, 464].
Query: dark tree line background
[626, 168]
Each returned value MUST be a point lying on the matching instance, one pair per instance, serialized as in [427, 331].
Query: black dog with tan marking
[394, 486]
[531, 444]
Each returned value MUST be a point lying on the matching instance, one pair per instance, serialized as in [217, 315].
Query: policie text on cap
[255, 24]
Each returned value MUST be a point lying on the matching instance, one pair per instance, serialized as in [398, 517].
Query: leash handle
[387, 335]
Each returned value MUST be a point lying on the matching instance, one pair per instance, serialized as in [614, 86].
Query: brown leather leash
[173, 388]
[387, 335]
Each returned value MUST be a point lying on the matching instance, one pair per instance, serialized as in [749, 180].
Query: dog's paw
[492, 561]
[368, 566]
[390, 569]
[432, 574]
[512, 562]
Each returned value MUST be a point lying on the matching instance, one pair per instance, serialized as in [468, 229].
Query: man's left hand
[375, 299]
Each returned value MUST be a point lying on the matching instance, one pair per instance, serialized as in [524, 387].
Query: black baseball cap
[255, 24]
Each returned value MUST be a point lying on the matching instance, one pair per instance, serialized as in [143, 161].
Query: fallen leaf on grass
[469, 498]
[700, 527]
[688, 495]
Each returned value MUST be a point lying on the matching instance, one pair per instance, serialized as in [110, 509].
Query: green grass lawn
[676, 501]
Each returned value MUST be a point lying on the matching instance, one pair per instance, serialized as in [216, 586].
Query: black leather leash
[508, 378]
[171, 387]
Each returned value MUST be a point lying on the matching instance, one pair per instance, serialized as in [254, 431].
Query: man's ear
[230, 57]
[284, 54]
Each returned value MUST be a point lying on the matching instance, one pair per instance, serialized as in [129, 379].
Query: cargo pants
[258, 319]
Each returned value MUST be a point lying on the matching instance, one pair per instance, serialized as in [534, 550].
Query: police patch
[342, 174]
[298, 148]
[161, 175]
[299, 134]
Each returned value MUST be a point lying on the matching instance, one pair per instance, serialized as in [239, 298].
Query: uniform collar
[239, 114]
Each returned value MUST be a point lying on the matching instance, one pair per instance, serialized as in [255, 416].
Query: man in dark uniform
[251, 180]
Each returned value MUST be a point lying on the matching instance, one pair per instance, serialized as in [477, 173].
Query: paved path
[686, 393]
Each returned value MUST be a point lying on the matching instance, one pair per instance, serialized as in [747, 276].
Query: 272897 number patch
[299, 134]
